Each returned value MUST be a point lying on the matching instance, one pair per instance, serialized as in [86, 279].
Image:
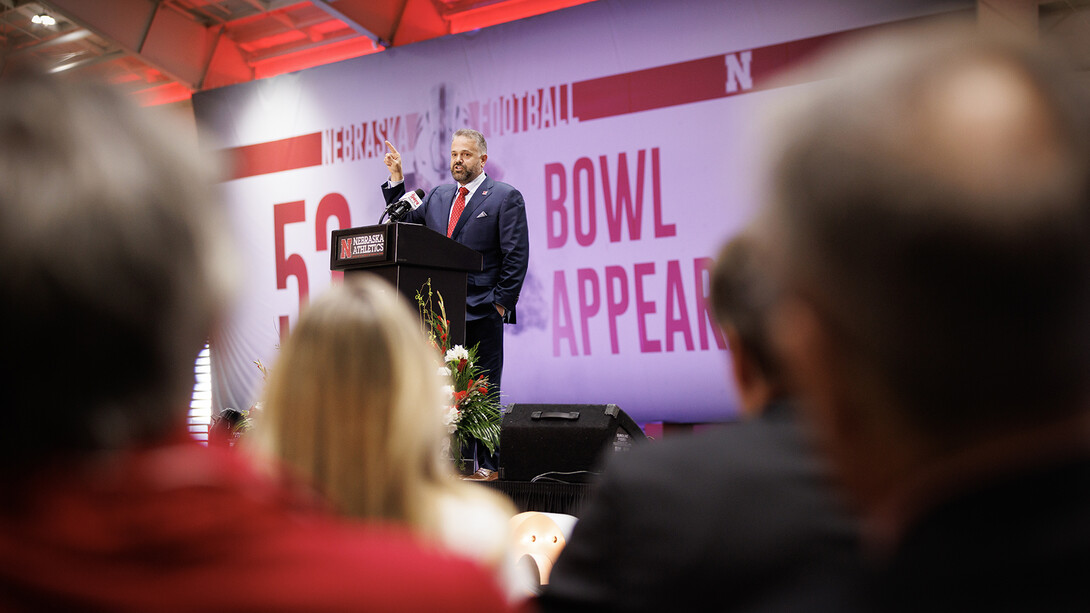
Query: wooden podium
[407, 255]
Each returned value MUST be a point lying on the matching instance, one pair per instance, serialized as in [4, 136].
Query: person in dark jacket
[929, 230]
[741, 518]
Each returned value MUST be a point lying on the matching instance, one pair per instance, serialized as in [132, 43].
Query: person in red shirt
[115, 269]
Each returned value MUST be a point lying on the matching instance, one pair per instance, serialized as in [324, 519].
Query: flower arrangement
[474, 409]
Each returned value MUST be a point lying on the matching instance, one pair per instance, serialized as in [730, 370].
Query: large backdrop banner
[626, 124]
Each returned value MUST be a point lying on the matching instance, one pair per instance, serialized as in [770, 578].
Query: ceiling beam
[63, 38]
[419, 20]
[400, 15]
[350, 22]
[377, 16]
[180, 48]
[90, 61]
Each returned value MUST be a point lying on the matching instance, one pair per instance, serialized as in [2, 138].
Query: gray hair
[949, 253]
[115, 268]
[475, 135]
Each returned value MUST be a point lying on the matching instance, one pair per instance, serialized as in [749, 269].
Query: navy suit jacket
[742, 518]
[493, 224]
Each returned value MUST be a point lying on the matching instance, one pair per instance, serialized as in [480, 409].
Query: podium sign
[368, 245]
[408, 255]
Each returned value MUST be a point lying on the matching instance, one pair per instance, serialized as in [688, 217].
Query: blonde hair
[354, 404]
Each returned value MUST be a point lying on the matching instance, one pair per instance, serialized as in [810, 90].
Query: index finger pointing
[391, 148]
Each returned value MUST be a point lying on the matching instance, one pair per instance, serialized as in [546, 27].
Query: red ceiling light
[163, 94]
[464, 17]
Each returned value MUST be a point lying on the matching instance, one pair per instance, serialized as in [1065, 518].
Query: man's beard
[462, 175]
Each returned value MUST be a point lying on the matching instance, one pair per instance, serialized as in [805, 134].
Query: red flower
[462, 364]
[483, 390]
[460, 396]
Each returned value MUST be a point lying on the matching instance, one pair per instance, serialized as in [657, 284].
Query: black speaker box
[562, 442]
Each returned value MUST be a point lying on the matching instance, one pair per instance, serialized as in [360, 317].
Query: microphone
[410, 201]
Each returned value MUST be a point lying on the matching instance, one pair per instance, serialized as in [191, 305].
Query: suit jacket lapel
[479, 196]
[445, 195]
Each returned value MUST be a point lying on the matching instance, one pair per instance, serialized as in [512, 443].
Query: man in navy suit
[740, 518]
[489, 217]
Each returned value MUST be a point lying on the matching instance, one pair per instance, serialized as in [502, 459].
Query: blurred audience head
[929, 226]
[742, 299]
[354, 403]
[114, 269]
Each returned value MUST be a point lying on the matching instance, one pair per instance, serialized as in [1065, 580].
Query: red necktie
[456, 212]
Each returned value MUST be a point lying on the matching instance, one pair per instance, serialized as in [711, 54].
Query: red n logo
[346, 248]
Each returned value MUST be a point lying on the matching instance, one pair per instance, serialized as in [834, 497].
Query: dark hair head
[741, 298]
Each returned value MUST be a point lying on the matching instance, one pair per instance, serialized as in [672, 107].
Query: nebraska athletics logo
[363, 246]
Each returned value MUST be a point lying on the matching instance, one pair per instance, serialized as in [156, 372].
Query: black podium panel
[408, 255]
[562, 442]
[409, 279]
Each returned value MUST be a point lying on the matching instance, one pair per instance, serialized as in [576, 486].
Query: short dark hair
[741, 298]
